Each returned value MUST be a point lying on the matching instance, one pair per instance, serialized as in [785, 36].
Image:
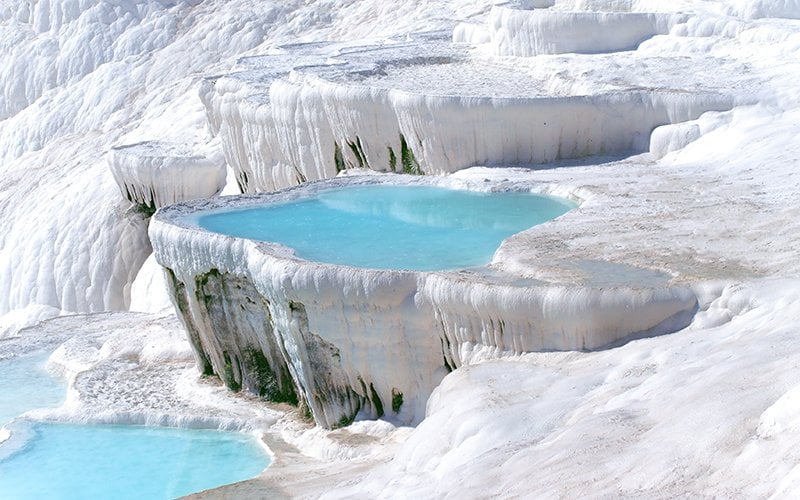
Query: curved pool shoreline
[393, 227]
[22, 435]
[174, 461]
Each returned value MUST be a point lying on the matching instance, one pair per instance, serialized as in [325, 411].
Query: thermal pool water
[65, 461]
[25, 384]
[390, 227]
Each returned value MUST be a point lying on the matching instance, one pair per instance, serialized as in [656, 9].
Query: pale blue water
[26, 385]
[126, 462]
[392, 227]
[109, 462]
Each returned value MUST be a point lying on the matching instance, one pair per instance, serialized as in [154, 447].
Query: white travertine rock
[352, 341]
[471, 33]
[759, 9]
[149, 291]
[708, 411]
[526, 33]
[430, 108]
[156, 174]
[669, 138]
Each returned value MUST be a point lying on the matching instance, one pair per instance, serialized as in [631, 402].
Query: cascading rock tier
[346, 342]
[155, 174]
[310, 111]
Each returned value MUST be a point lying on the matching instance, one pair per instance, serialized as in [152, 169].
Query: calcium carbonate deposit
[641, 341]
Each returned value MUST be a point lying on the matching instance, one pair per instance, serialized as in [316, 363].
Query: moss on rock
[266, 384]
[376, 401]
[397, 400]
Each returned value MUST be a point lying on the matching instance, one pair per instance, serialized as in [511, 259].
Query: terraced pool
[64, 461]
[417, 228]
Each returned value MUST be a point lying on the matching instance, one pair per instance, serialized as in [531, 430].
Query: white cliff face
[101, 71]
[426, 106]
[150, 292]
[44, 263]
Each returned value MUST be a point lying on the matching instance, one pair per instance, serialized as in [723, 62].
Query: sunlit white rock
[156, 174]
[431, 109]
[515, 32]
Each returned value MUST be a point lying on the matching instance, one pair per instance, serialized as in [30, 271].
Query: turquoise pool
[126, 462]
[391, 227]
[25, 385]
[60, 461]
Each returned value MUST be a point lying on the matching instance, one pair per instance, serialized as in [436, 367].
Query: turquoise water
[62, 461]
[26, 385]
[126, 462]
[392, 227]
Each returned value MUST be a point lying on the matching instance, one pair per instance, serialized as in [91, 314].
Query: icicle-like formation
[524, 33]
[432, 109]
[155, 174]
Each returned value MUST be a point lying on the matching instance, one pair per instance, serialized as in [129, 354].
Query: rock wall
[312, 131]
